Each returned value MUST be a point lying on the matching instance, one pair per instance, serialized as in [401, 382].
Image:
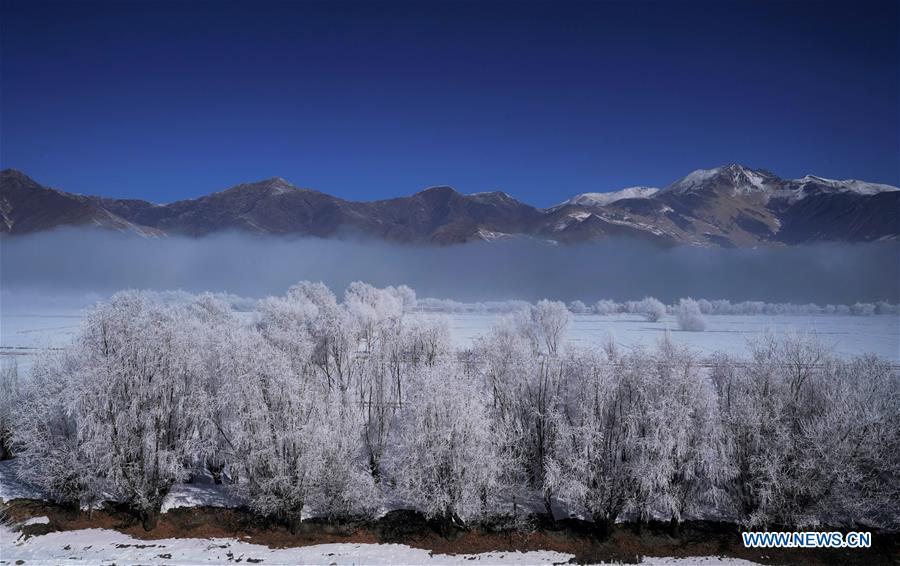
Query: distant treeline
[707, 307]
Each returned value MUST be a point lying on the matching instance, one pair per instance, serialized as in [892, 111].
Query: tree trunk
[675, 527]
[295, 525]
[149, 519]
[294, 521]
[548, 505]
[602, 528]
[639, 526]
[374, 469]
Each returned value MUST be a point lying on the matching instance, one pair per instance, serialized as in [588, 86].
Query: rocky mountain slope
[730, 206]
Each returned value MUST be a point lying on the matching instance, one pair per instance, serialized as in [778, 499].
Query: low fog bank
[79, 263]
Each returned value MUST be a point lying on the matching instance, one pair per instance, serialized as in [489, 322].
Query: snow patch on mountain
[602, 199]
[853, 185]
[799, 189]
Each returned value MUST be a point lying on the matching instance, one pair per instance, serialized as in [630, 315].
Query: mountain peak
[11, 173]
[736, 178]
[274, 185]
[602, 199]
[437, 190]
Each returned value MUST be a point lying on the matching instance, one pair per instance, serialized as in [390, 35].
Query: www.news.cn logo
[807, 539]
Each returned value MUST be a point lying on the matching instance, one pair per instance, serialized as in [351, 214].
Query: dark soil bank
[626, 543]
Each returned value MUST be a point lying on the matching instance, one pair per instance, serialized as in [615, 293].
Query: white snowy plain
[104, 546]
[22, 333]
[845, 335]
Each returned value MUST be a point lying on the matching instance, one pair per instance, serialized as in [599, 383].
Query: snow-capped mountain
[602, 199]
[735, 178]
[728, 206]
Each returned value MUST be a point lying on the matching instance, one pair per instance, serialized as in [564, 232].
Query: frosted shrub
[578, 307]
[406, 295]
[607, 307]
[883, 307]
[549, 320]
[862, 309]
[689, 317]
[651, 308]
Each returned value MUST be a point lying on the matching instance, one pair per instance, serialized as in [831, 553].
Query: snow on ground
[201, 491]
[23, 332]
[11, 487]
[845, 335]
[697, 561]
[103, 546]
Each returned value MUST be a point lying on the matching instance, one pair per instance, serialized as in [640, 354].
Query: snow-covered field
[23, 331]
[846, 335]
[103, 546]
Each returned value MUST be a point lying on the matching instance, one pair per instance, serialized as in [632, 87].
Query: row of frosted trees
[651, 305]
[344, 409]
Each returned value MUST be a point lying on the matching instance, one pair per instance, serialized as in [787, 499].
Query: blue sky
[366, 100]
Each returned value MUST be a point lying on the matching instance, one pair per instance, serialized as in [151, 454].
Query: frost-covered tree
[286, 323]
[277, 439]
[45, 432]
[578, 307]
[607, 307]
[371, 309]
[884, 307]
[138, 399]
[406, 295]
[858, 467]
[639, 436]
[344, 486]
[399, 346]
[652, 309]
[224, 358]
[686, 463]
[9, 398]
[445, 462]
[425, 339]
[689, 317]
[549, 320]
[862, 309]
[797, 423]
[526, 391]
[594, 466]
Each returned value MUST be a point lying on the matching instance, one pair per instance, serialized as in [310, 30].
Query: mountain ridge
[727, 206]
